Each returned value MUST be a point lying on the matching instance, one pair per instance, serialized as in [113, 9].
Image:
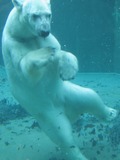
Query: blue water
[86, 28]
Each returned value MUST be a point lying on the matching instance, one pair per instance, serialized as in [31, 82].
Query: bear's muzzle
[43, 30]
[44, 33]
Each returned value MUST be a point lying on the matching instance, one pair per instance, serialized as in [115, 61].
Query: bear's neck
[21, 32]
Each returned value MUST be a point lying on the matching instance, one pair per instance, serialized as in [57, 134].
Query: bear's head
[36, 14]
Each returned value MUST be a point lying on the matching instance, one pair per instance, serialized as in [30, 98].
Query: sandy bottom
[22, 139]
[19, 141]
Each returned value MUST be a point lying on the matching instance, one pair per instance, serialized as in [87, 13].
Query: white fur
[38, 71]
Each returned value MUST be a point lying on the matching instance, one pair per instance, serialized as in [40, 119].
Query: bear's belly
[40, 97]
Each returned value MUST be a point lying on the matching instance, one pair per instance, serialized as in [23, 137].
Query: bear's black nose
[44, 29]
[44, 33]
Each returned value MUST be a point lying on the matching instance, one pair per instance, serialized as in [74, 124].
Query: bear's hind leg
[80, 100]
[58, 128]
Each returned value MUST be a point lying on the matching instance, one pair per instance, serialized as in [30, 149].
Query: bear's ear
[48, 1]
[17, 4]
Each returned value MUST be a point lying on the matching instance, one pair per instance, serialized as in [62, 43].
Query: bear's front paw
[68, 66]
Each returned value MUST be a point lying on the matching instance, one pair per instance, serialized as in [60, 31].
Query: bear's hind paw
[112, 114]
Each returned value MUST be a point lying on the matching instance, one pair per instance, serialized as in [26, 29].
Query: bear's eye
[48, 16]
[35, 16]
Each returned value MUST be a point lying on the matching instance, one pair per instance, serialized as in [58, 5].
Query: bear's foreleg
[33, 65]
[68, 65]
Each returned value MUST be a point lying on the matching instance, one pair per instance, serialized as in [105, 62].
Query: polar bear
[39, 73]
